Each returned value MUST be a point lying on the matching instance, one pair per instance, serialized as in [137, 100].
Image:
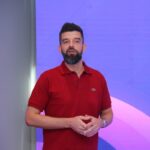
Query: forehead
[71, 35]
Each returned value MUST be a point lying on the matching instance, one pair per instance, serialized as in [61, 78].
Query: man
[74, 97]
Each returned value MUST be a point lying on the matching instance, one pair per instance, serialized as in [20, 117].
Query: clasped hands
[86, 125]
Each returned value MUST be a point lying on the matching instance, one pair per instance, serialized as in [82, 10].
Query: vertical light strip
[32, 79]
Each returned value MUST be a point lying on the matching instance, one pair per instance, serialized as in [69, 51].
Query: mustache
[71, 50]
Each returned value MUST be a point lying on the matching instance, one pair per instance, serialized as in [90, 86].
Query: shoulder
[53, 72]
[96, 73]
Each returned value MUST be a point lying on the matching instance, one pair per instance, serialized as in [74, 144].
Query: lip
[71, 52]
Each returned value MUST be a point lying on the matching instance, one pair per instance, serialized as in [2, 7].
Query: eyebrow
[68, 39]
[64, 39]
[77, 38]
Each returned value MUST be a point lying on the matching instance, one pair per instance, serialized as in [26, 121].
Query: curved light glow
[130, 128]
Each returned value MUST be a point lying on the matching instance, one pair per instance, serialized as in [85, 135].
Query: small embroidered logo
[93, 89]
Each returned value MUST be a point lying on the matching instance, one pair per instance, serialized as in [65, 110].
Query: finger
[83, 125]
[91, 131]
[82, 132]
[85, 117]
[88, 116]
[90, 134]
[92, 119]
[89, 125]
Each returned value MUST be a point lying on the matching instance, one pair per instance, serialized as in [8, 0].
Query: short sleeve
[40, 95]
[106, 100]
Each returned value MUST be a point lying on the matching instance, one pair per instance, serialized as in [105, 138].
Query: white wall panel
[17, 61]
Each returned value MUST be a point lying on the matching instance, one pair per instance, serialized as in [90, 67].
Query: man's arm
[106, 117]
[34, 118]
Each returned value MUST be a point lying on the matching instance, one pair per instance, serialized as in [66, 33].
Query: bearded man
[74, 97]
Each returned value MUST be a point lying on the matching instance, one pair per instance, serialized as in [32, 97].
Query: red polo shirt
[61, 93]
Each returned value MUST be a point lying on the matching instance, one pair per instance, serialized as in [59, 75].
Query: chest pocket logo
[93, 90]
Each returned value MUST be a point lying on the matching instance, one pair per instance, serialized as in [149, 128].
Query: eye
[65, 41]
[77, 41]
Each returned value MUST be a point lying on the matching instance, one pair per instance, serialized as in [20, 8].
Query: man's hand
[93, 126]
[89, 125]
[79, 124]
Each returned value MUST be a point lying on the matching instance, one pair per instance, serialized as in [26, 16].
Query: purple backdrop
[117, 34]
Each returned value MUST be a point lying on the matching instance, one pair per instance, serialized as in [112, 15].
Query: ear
[84, 47]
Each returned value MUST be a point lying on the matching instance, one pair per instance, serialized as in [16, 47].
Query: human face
[71, 46]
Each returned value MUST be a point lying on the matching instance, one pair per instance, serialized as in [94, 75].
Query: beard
[72, 56]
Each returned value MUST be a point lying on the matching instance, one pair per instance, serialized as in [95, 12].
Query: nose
[71, 45]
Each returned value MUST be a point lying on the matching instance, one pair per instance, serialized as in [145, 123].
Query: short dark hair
[70, 27]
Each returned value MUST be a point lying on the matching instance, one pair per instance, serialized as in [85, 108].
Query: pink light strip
[130, 128]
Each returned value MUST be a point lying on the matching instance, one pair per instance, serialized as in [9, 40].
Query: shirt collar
[64, 69]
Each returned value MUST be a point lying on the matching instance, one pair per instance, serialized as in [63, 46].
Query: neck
[78, 67]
